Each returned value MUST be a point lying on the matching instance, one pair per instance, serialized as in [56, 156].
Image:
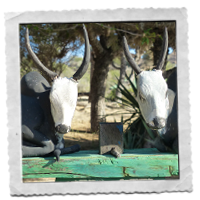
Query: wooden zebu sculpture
[158, 100]
[47, 111]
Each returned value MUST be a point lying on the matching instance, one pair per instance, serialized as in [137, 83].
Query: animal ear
[163, 54]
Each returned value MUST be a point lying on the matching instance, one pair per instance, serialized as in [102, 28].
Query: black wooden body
[168, 139]
[38, 131]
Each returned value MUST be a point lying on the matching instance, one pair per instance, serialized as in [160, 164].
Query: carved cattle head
[152, 90]
[64, 91]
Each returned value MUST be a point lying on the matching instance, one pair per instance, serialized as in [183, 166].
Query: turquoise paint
[120, 128]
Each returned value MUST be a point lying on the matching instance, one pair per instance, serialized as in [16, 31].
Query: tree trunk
[91, 74]
[97, 92]
[138, 54]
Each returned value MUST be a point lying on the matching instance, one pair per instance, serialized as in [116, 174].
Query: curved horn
[163, 54]
[130, 59]
[84, 66]
[46, 72]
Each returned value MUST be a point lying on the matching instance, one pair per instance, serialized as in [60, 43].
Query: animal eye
[141, 97]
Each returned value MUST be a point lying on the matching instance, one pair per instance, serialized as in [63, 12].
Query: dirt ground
[80, 133]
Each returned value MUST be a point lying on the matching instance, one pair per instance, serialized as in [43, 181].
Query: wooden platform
[89, 165]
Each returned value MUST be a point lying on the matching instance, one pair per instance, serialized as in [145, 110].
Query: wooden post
[111, 138]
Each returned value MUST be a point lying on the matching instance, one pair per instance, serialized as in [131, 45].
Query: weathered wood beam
[89, 165]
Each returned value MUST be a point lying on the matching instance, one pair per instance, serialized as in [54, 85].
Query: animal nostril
[155, 121]
[62, 128]
[57, 128]
[159, 122]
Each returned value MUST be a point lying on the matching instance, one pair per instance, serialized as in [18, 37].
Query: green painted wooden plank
[140, 163]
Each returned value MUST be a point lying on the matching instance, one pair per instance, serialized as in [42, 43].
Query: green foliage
[26, 66]
[111, 84]
[148, 37]
[117, 61]
[141, 34]
[160, 36]
[169, 66]
[112, 95]
[134, 135]
[51, 41]
[145, 40]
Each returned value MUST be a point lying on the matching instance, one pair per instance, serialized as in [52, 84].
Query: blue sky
[80, 52]
[133, 50]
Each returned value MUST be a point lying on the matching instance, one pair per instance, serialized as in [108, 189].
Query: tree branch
[131, 74]
[55, 30]
[65, 29]
[117, 29]
[115, 65]
[103, 43]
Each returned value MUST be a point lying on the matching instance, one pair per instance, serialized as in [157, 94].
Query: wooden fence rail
[89, 165]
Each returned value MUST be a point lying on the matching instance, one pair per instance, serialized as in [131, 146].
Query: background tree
[106, 40]
[51, 43]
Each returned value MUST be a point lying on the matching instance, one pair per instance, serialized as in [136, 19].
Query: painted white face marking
[152, 96]
[63, 98]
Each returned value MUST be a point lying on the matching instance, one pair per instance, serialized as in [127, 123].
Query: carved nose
[62, 128]
[159, 122]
